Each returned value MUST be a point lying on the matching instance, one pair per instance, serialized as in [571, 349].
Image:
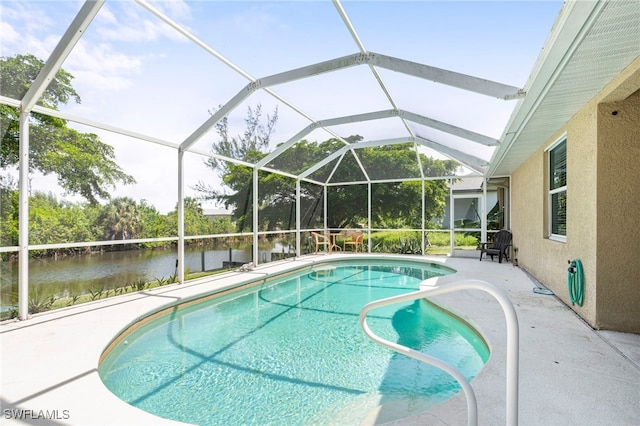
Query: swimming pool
[290, 351]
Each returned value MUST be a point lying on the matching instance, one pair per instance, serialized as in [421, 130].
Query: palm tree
[121, 219]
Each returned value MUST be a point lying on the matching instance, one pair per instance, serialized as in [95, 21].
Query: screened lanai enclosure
[281, 118]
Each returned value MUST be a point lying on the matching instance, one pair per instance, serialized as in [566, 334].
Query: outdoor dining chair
[498, 247]
[354, 240]
[321, 240]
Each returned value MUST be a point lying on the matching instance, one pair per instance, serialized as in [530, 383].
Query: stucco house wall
[603, 208]
[618, 250]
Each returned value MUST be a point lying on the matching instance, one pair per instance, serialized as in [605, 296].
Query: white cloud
[14, 42]
[106, 16]
[9, 35]
[133, 23]
[98, 67]
[173, 8]
[28, 14]
[142, 31]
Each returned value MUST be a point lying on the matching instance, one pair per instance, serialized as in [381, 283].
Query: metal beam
[381, 142]
[368, 116]
[23, 218]
[474, 163]
[314, 69]
[283, 147]
[181, 214]
[186, 33]
[358, 145]
[450, 78]
[298, 220]
[449, 128]
[322, 163]
[119, 130]
[9, 101]
[374, 71]
[377, 115]
[79, 24]
[411, 68]
[222, 158]
[416, 179]
[322, 124]
[218, 115]
[255, 249]
[87, 12]
[362, 169]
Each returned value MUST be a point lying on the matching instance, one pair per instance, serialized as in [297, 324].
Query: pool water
[292, 352]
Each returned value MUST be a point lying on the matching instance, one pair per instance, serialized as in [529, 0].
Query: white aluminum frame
[373, 60]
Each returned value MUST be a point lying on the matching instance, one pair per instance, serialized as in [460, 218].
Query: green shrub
[400, 242]
[96, 292]
[139, 285]
[439, 239]
[39, 301]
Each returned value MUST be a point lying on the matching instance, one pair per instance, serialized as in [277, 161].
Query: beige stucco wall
[545, 259]
[618, 250]
[603, 204]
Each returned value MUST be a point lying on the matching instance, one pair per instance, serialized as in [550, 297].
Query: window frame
[551, 192]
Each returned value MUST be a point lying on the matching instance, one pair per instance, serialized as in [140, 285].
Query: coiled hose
[575, 282]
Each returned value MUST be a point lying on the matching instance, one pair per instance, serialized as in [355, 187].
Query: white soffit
[590, 44]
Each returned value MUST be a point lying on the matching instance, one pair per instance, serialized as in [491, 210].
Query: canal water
[77, 275]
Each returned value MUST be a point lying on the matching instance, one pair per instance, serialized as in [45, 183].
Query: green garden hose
[575, 282]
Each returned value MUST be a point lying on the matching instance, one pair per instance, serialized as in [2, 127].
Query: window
[558, 190]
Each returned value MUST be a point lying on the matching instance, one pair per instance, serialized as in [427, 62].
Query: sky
[134, 71]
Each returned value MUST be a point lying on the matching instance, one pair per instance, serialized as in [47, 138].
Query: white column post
[324, 209]
[23, 219]
[298, 241]
[181, 240]
[483, 219]
[452, 233]
[423, 221]
[369, 217]
[256, 260]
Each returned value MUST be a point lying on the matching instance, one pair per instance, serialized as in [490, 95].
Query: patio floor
[569, 373]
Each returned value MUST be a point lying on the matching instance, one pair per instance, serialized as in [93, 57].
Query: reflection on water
[291, 351]
[75, 275]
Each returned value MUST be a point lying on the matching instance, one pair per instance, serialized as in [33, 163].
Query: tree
[52, 221]
[8, 211]
[83, 163]
[248, 147]
[222, 225]
[395, 204]
[154, 225]
[121, 219]
[195, 222]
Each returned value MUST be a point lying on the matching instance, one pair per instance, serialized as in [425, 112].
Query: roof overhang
[590, 44]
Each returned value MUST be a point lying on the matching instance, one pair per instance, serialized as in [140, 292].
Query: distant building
[467, 194]
[216, 213]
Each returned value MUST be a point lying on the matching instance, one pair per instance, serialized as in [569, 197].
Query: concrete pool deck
[569, 373]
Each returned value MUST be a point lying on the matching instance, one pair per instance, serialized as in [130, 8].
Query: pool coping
[54, 370]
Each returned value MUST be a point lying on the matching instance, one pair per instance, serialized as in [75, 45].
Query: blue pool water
[292, 352]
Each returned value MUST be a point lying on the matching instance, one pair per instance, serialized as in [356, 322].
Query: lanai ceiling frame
[438, 75]
[373, 61]
[463, 158]
[450, 78]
